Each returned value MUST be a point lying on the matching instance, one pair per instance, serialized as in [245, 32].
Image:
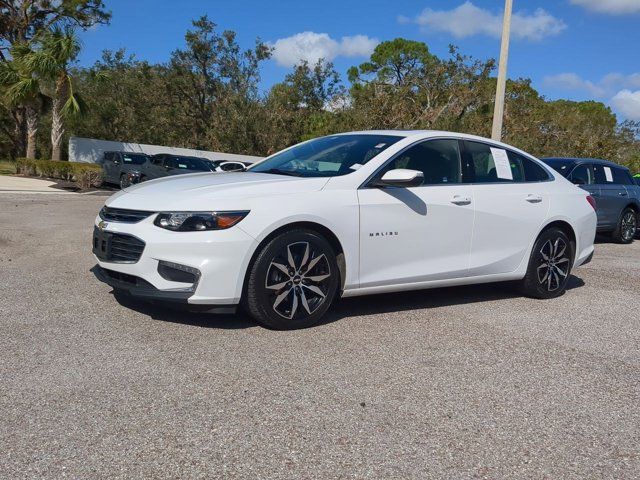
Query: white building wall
[90, 150]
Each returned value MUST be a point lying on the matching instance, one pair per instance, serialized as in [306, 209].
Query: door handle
[623, 194]
[534, 199]
[458, 200]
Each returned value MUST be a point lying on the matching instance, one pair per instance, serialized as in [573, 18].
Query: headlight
[198, 221]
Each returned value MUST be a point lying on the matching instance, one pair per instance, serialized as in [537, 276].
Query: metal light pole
[498, 111]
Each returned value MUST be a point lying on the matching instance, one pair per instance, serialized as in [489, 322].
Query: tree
[22, 88]
[23, 20]
[209, 81]
[50, 61]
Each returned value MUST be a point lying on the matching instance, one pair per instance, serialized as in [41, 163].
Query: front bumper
[221, 257]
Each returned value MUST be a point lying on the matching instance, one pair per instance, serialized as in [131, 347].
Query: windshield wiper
[277, 171]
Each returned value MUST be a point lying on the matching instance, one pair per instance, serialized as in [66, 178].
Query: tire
[550, 265]
[293, 281]
[627, 227]
[124, 181]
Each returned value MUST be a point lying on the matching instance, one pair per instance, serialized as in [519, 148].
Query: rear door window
[603, 174]
[582, 175]
[488, 164]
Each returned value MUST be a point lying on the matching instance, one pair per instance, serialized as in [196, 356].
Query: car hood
[201, 191]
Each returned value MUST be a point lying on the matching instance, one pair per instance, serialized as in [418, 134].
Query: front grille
[117, 247]
[123, 215]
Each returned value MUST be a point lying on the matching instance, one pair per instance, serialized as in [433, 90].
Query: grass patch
[7, 167]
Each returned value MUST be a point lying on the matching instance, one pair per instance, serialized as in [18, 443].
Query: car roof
[577, 161]
[126, 153]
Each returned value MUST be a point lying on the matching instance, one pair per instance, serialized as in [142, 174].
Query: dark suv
[616, 194]
[118, 166]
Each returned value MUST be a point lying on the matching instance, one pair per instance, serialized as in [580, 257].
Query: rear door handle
[458, 200]
[623, 194]
[534, 199]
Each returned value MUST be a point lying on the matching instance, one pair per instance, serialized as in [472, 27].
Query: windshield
[186, 163]
[561, 166]
[134, 159]
[327, 156]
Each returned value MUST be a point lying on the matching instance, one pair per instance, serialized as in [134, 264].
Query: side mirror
[232, 167]
[401, 177]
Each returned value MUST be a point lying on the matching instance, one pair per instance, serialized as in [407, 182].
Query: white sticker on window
[608, 173]
[182, 165]
[503, 166]
[355, 166]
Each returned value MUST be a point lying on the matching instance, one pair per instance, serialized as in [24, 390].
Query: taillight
[592, 202]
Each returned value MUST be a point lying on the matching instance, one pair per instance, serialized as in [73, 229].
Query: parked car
[163, 164]
[345, 215]
[617, 195]
[228, 165]
[117, 166]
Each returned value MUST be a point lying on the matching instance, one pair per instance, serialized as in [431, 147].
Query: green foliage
[86, 175]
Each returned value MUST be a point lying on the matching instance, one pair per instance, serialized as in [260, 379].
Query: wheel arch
[323, 230]
[565, 226]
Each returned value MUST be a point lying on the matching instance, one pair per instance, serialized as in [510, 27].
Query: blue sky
[576, 49]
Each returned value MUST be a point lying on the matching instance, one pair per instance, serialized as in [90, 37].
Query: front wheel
[549, 266]
[124, 181]
[293, 281]
[627, 227]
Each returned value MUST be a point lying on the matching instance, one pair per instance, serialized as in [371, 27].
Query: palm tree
[50, 61]
[22, 89]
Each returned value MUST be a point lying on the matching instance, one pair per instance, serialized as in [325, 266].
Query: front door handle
[534, 199]
[458, 200]
[623, 194]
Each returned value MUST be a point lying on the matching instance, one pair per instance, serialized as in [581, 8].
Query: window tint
[327, 156]
[134, 159]
[603, 174]
[157, 160]
[561, 166]
[438, 160]
[582, 175]
[621, 177]
[532, 171]
[486, 164]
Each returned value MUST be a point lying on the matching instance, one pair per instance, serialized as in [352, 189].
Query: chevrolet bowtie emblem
[102, 225]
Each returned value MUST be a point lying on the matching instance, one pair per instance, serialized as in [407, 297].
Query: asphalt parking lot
[470, 382]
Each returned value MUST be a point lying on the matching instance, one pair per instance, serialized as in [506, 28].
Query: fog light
[175, 272]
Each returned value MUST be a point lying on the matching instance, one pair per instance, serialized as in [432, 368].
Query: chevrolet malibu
[344, 215]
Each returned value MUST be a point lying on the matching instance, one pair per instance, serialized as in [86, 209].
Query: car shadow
[344, 308]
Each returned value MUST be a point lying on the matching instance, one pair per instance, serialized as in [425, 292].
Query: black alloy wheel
[549, 266]
[293, 281]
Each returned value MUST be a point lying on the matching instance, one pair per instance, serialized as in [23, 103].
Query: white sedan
[344, 215]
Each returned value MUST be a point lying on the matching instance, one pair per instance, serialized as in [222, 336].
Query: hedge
[86, 175]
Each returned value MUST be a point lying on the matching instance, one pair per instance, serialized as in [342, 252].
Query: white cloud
[620, 91]
[607, 86]
[614, 7]
[468, 20]
[312, 46]
[628, 104]
[571, 81]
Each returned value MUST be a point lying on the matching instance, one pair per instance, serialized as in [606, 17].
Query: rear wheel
[293, 281]
[549, 266]
[627, 227]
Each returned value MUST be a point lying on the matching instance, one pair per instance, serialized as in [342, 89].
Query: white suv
[345, 215]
